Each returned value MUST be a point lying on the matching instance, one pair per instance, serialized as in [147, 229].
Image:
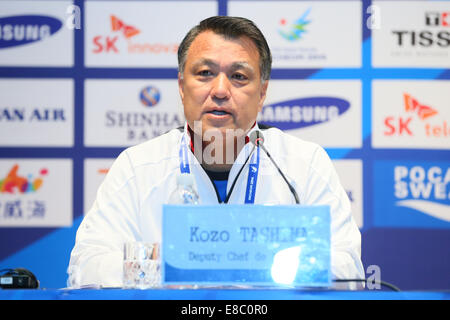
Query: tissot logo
[434, 36]
[21, 30]
[303, 112]
[437, 18]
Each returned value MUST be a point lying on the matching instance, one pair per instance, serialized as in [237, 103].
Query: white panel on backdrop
[411, 34]
[350, 174]
[411, 114]
[37, 112]
[327, 112]
[34, 33]
[95, 171]
[307, 34]
[138, 33]
[35, 192]
[126, 112]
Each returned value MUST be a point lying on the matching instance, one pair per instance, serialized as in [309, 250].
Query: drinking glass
[141, 265]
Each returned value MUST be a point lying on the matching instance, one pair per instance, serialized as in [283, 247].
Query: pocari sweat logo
[412, 194]
[20, 30]
[302, 112]
[424, 188]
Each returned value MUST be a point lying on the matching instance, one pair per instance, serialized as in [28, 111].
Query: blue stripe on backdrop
[409, 258]
[47, 257]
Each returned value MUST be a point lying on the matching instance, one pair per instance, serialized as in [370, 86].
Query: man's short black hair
[229, 27]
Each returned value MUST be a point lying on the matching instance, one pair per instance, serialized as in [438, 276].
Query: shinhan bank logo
[295, 30]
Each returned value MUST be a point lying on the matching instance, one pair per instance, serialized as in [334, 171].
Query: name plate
[246, 244]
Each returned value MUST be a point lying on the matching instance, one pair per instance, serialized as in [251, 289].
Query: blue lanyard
[252, 171]
[252, 178]
[184, 162]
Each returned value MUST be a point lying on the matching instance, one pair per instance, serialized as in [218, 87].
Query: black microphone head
[256, 137]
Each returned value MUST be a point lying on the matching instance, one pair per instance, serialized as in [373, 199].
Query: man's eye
[239, 77]
[204, 73]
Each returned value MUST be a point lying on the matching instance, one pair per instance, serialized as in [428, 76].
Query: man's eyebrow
[242, 65]
[234, 66]
[202, 62]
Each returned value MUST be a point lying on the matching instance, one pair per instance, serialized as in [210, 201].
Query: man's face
[221, 85]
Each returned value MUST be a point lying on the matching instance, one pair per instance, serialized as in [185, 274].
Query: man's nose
[221, 87]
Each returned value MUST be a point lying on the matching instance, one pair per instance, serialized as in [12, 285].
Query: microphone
[257, 138]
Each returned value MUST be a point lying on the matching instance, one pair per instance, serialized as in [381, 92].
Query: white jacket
[129, 202]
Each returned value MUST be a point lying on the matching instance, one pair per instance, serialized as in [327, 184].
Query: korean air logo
[303, 112]
[423, 188]
[149, 96]
[21, 30]
[293, 31]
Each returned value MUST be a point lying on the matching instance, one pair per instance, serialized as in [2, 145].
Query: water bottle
[185, 192]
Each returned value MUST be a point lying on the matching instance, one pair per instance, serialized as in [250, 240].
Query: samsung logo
[303, 112]
[20, 30]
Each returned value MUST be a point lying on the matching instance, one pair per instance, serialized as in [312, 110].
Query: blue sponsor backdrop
[410, 246]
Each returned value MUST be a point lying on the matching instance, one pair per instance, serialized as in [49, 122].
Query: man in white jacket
[224, 71]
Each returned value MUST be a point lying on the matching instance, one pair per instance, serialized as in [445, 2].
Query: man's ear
[181, 86]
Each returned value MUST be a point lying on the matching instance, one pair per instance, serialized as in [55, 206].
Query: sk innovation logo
[109, 43]
[125, 39]
[127, 30]
[295, 30]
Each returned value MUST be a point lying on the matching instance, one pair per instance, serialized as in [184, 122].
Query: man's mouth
[218, 112]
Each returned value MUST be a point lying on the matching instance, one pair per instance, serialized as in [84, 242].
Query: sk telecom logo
[401, 125]
[108, 43]
[14, 182]
[412, 105]
[295, 30]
